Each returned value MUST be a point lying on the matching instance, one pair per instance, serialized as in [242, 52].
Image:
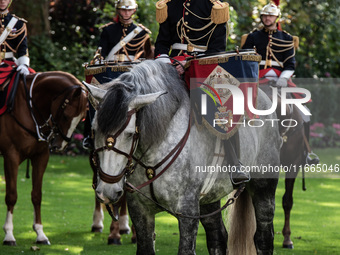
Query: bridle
[110, 145]
[54, 129]
[130, 167]
[51, 123]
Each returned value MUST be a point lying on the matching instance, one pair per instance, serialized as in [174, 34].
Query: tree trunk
[35, 12]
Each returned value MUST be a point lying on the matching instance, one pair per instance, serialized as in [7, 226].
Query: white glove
[282, 82]
[23, 69]
[163, 58]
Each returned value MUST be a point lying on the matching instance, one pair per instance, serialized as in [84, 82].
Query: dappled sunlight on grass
[330, 204]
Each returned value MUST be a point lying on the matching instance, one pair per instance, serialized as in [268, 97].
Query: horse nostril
[119, 193]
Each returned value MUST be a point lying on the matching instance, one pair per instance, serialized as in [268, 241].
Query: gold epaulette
[296, 41]
[105, 25]
[162, 11]
[243, 39]
[284, 31]
[145, 28]
[219, 12]
[23, 20]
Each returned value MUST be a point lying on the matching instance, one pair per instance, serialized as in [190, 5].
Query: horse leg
[287, 204]
[144, 222]
[124, 221]
[264, 205]
[123, 217]
[39, 164]
[114, 237]
[98, 218]
[11, 164]
[134, 235]
[188, 227]
[216, 234]
[188, 232]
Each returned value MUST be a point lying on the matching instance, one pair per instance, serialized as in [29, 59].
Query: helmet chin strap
[124, 20]
[271, 25]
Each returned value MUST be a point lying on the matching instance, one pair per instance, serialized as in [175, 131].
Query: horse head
[66, 112]
[116, 137]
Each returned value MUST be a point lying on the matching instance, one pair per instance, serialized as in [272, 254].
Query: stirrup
[242, 177]
[88, 143]
[312, 159]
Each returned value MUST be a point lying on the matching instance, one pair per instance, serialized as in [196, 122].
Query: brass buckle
[121, 57]
[2, 55]
[190, 48]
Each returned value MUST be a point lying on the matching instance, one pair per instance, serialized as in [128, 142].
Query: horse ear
[94, 91]
[143, 100]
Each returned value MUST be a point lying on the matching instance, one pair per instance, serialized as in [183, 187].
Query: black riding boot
[88, 143]
[237, 176]
[312, 158]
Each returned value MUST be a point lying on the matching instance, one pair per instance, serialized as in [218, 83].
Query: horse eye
[129, 135]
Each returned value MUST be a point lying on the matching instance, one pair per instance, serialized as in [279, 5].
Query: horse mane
[150, 76]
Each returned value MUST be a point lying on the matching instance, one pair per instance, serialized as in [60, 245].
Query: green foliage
[325, 96]
[316, 23]
[47, 55]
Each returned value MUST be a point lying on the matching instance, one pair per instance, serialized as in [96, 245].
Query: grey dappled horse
[153, 99]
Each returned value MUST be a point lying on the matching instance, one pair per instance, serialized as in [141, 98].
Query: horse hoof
[44, 242]
[124, 232]
[288, 246]
[96, 230]
[114, 241]
[10, 243]
[134, 240]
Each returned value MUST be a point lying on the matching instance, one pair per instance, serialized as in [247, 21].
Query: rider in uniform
[188, 28]
[13, 39]
[277, 49]
[120, 41]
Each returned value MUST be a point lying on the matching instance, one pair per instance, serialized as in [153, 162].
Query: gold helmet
[271, 9]
[126, 4]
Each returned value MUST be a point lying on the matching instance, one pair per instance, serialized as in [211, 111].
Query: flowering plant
[325, 136]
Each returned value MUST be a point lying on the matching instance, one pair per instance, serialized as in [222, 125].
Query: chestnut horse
[46, 110]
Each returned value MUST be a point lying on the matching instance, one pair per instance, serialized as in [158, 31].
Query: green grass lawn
[68, 203]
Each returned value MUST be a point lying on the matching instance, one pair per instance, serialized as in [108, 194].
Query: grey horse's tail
[242, 226]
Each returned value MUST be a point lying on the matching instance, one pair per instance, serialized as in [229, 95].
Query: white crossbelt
[9, 55]
[123, 42]
[273, 63]
[187, 47]
[8, 29]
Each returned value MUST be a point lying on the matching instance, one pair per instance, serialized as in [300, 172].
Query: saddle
[8, 85]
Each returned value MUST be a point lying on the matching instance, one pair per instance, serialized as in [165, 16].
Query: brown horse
[46, 110]
[292, 156]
